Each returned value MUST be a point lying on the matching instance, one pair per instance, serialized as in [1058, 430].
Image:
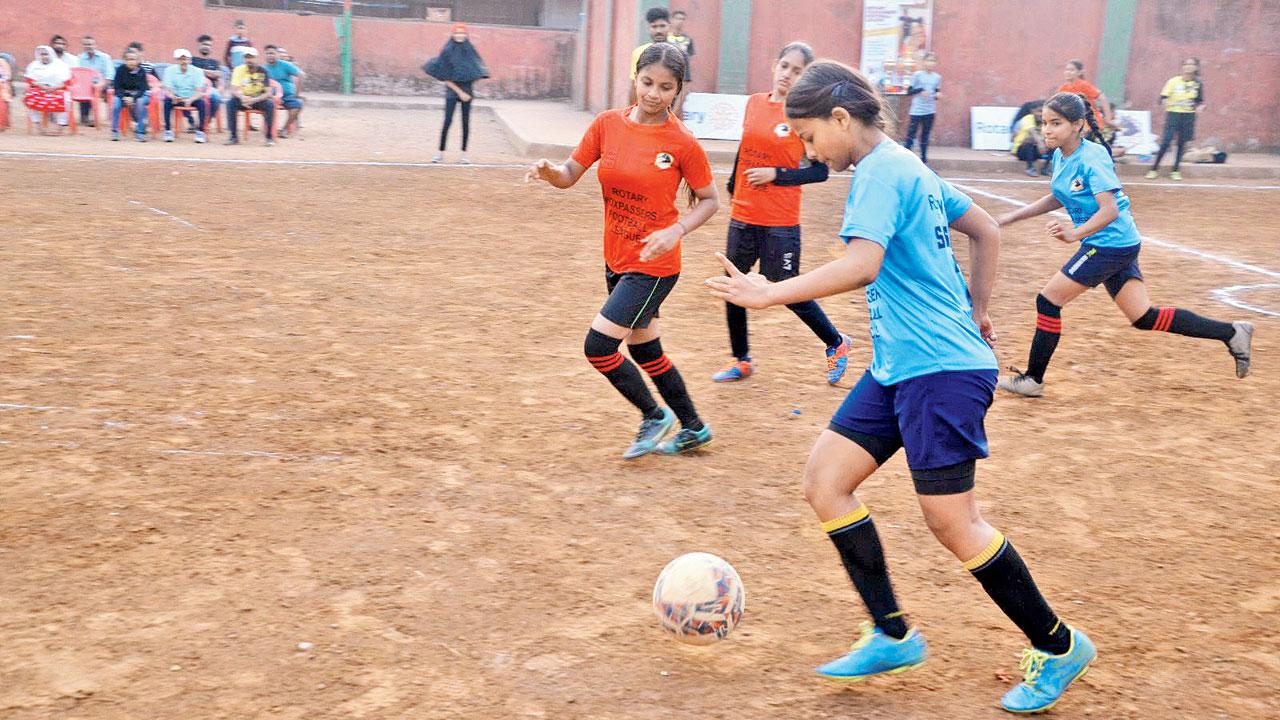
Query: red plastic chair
[277, 92]
[187, 110]
[84, 88]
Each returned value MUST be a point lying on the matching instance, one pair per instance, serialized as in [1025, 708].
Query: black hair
[239, 22]
[86, 37]
[1077, 64]
[56, 38]
[654, 14]
[668, 56]
[1024, 110]
[1195, 61]
[135, 45]
[270, 47]
[805, 51]
[827, 85]
[1073, 107]
[204, 38]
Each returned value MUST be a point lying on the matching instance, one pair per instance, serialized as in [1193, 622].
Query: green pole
[343, 27]
[1113, 57]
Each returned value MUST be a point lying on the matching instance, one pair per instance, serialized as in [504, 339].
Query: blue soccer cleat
[739, 370]
[686, 441]
[838, 359]
[1045, 677]
[650, 432]
[875, 653]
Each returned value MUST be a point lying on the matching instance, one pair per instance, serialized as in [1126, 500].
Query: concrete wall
[525, 62]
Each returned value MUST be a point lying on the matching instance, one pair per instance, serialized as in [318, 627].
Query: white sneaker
[200, 136]
[463, 160]
[1021, 384]
[1241, 346]
[439, 158]
[168, 136]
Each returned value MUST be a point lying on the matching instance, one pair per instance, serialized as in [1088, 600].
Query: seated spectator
[212, 70]
[101, 62]
[131, 88]
[251, 89]
[1028, 142]
[47, 79]
[290, 79]
[147, 67]
[59, 45]
[184, 86]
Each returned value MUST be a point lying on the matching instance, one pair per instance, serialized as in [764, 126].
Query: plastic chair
[187, 110]
[277, 92]
[6, 93]
[84, 88]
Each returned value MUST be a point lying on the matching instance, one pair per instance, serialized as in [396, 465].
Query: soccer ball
[699, 598]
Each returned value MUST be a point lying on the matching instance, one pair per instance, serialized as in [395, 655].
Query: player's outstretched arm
[562, 176]
[1048, 203]
[858, 268]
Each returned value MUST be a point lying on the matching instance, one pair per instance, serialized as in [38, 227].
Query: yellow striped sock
[853, 516]
[987, 553]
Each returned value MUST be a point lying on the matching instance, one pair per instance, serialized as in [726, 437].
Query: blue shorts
[1112, 266]
[937, 418]
[291, 102]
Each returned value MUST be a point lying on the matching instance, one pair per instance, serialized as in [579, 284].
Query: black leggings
[451, 100]
[925, 123]
[1176, 123]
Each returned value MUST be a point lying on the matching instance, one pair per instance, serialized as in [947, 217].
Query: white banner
[895, 33]
[989, 127]
[1135, 133]
[712, 116]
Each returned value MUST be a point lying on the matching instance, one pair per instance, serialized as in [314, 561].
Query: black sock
[670, 385]
[602, 353]
[737, 319]
[1048, 332]
[811, 313]
[855, 538]
[1006, 579]
[1184, 322]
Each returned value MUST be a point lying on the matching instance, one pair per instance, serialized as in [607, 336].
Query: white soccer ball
[699, 598]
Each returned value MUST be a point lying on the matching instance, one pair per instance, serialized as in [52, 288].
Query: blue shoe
[739, 370]
[877, 654]
[651, 431]
[1046, 677]
[838, 359]
[686, 441]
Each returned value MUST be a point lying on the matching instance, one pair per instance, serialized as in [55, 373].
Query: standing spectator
[1074, 73]
[212, 70]
[659, 32]
[131, 89]
[676, 36]
[59, 45]
[251, 88]
[236, 45]
[1182, 98]
[184, 86]
[47, 79]
[101, 62]
[924, 92]
[458, 66]
[290, 79]
[147, 67]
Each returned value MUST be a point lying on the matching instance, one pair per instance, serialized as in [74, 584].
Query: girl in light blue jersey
[931, 381]
[1086, 185]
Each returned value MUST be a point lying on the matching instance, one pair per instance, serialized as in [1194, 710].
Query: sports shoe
[739, 370]
[686, 441]
[115, 136]
[651, 431]
[200, 137]
[1241, 345]
[875, 653]
[168, 136]
[1175, 175]
[1031, 172]
[463, 160]
[270, 143]
[1045, 677]
[438, 158]
[232, 141]
[838, 359]
[1021, 384]
[1152, 175]
[141, 137]
[1046, 171]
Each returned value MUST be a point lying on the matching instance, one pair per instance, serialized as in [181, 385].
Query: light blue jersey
[921, 312]
[925, 102]
[1076, 179]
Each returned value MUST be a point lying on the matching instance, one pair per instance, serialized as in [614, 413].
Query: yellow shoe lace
[868, 631]
[1031, 664]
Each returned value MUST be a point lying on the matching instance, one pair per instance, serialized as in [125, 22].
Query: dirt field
[347, 407]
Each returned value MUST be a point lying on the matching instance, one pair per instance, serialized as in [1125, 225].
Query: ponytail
[1095, 133]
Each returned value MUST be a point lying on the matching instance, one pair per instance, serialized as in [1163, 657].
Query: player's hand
[761, 176]
[1005, 219]
[985, 327]
[544, 170]
[1058, 231]
[742, 289]
[661, 242]
[464, 97]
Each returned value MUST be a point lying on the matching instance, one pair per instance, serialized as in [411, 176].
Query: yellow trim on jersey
[985, 556]
[845, 520]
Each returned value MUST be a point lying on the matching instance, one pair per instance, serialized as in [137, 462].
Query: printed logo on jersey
[1077, 185]
[782, 130]
[664, 160]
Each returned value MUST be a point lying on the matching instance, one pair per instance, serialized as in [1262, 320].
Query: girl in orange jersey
[765, 224]
[644, 153]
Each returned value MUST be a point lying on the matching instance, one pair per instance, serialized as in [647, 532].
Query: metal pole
[344, 34]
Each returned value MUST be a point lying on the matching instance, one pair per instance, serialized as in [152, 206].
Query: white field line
[171, 216]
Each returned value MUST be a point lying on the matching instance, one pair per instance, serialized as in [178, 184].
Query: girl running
[644, 153]
[931, 380]
[1085, 183]
[765, 224]
[458, 66]
[1182, 98]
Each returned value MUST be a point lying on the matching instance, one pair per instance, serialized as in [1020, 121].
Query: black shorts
[1183, 124]
[1111, 266]
[634, 297]
[777, 249]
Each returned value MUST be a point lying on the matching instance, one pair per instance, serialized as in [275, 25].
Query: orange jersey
[767, 141]
[640, 171]
[1091, 92]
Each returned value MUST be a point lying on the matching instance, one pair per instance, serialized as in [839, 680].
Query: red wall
[388, 54]
[833, 29]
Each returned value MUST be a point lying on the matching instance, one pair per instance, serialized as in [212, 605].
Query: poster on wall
[1134, 132]
[715, 116]
[895, 34]
[989, 127]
